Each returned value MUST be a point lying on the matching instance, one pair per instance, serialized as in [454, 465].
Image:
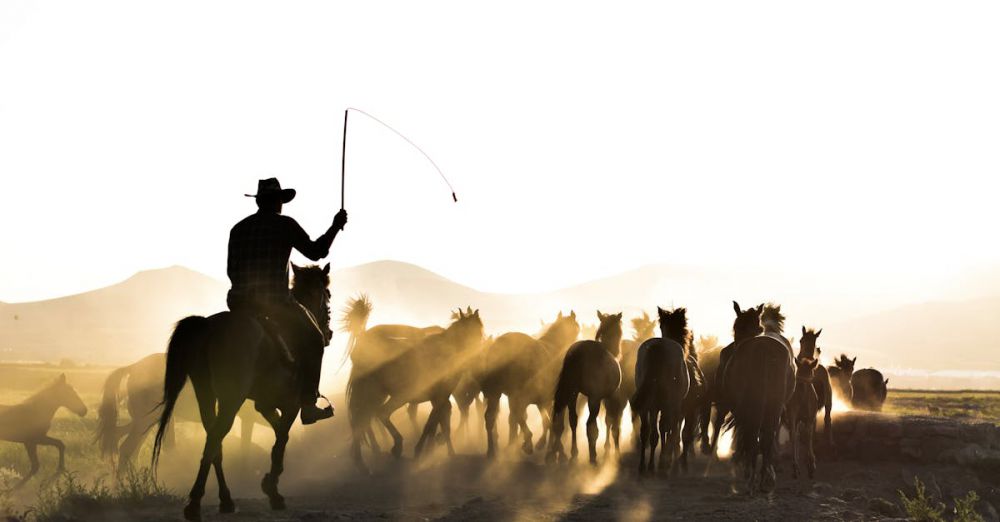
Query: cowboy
[259, 250]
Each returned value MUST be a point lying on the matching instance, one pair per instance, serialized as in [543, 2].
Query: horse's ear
[819, 332]
[661, 312]
[736, 307]
[476, 313]
[326, 269]
[559, 316]
[460, 314]
[572, 315]
[600, 316]
[854, 360]
[886, 382]
[619, 315]
[803, 331]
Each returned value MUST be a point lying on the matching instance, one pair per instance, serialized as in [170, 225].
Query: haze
[582, 140]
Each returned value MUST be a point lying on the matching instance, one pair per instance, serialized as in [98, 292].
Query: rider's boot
[310, 390]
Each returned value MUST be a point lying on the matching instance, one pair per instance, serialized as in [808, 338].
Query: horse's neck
[612, 344]
[43, 402]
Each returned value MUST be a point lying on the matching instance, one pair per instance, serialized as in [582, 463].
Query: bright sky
[582, 140]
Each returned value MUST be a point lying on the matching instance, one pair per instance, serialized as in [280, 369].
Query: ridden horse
[394, 365]
[745, 326]
[29, 422]
[870, 390]
[840, 375]
[759, 379]
[143, 393]
[614, 406]
[524, 369]
[820, 379]
[800, 414]
[662, 382]
[590, 368]
[230, 358]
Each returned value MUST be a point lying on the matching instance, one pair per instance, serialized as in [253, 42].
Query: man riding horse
[259, 250]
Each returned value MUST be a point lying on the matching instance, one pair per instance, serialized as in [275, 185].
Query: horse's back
[760, 364]
[869, 389]
[513, 357]
[597, 372]
[664, 361]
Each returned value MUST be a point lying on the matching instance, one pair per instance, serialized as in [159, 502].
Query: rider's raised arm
[314, 250]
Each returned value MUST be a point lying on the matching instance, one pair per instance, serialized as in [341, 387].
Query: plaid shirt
[259, 248]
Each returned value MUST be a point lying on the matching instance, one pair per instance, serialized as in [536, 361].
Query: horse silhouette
[870, 389]
[143, 395]
[394, 365]
[820, 379]
[692, 405]
[589, 368]
[524, 369]
[230, 358]
[29, 422]
[662, 382]
[840, 376]
[759, 379]
[800, 414]
[614, 406]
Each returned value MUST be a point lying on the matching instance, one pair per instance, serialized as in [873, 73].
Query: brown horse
[230, 358]
[662, 382]
[800, 414]
[143, 393]
[820, 379]
[870, 389]
[29, 422]
[840, 377]
[590, 368]
[393, 366]
[614, 406]
[524, 369]
[759, 379]
[745, 326]
[692, 405]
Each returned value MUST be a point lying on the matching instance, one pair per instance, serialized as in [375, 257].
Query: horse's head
[467, 327]
[642, 327]
[805, 368]
[609, 333]
[564, 330]
[311, 288]
[747, 323]
[67, 397]
[846, 364]
[807, 346]
[673, 325]
[772, 319]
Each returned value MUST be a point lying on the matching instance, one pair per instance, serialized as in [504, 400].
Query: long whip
[343, 153]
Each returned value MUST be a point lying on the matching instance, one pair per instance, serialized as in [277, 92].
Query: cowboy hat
[272, 188]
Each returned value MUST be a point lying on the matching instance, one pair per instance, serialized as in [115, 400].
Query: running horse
[820, 379]
[29, 422]
[759, 380]
[230, 358]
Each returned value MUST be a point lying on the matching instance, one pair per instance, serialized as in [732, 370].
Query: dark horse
[759, 380]
[590, 368]
[662, 381]
[820, 379]
[29, 422]
[870, 389]
[229, 359]
[393, 365]
[143, 394]
[524, 369]
[800, 414]
[840, 376]
[614, 406]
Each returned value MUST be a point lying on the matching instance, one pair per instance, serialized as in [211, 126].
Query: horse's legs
[411, 412]
[643, 441]
[654, 437]
[574, 416]
[136, 435]
[32, 450]
[444, 421]
[690, 424]
[720, 417]
[490, 419]
[666, 440]
[220, 426]
[226, 504]
[546, 427]
[810, 455]
[430, 428]
[57, 444]
[794, 435]
[704, 420]
[555, 434]
[519, 412]
[768, 444]
[592, 431]
[385, 412]
[281, 424]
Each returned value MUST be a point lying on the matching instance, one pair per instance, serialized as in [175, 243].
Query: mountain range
[127, 320]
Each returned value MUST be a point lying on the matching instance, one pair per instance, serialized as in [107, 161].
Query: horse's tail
[354, 320]
[747, 414]
[106, 433]
[648, 366]
[188, 336]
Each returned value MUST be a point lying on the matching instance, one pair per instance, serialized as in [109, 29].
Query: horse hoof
[277, 503]
[192, 511]
[227, 506]
[527, 448]
[397, 451]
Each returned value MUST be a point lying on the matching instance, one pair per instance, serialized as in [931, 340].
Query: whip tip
[453, 196]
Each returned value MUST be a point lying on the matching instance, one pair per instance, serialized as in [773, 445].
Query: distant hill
[124, 321]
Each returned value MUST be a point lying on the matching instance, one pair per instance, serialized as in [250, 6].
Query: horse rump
[187, 339]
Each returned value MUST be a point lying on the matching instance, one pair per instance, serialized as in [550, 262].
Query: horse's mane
[643, 327]
[606, 324]
[675, 326]
[772, 319]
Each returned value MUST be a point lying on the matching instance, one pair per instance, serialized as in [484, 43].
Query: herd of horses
[676, 393]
